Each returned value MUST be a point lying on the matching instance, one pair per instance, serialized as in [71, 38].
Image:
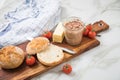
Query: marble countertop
[102, 62]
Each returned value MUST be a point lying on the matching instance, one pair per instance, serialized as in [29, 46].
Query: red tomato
[48, 34]
[89, 27]
[92, 34]
[30, 60]
[86, 31]
[67, 68]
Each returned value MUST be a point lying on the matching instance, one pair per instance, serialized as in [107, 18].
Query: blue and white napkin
[29, 19]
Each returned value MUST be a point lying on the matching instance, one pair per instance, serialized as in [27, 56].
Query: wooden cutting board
[25, 72]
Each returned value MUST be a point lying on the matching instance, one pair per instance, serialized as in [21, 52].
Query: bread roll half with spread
[36, 45]
[11, 57]
[51, 56]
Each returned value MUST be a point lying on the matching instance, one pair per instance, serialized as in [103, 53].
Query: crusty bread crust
[53, 55]
[36, 45]
[11, 57]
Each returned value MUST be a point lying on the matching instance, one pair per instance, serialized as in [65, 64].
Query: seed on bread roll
[11, 57]
[36, 45]
[51, 56]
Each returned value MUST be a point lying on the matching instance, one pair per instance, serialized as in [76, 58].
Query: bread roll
[51, 56]
[36, 45]
[11, 57]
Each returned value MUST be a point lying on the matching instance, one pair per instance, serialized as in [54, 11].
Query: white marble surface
[99, 63]
[102, 62]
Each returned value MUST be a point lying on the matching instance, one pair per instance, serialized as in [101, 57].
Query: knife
[69, 51]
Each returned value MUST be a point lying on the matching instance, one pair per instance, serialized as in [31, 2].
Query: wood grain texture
[25, 72]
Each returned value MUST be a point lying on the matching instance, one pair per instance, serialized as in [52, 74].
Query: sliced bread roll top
[36, 45]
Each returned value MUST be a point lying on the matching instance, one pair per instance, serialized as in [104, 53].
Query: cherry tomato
[92, 34]
[48, 34]
[67, 68]
[89, 27]
[86, 31]
[30, 60]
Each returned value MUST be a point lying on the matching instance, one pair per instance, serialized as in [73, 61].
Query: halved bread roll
[36, 45]
[11, 57]
[51, 56]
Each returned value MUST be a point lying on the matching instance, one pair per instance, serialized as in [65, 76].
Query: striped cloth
[29, 19]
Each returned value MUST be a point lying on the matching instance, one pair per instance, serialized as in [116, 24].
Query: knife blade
[69, 51]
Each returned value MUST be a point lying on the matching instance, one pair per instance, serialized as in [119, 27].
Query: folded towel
[29, 19]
